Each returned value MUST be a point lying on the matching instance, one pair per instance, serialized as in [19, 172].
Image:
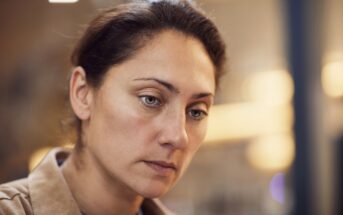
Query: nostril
[168, 145]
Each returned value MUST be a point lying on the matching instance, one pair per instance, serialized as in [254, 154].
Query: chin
[151, 194]
[153, 190]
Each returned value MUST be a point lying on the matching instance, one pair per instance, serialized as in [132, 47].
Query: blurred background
[275, 138]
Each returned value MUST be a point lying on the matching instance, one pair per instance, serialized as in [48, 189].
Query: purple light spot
[277, 187]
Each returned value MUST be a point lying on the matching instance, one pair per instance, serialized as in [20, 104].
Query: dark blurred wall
[35, 40]
[339, 179]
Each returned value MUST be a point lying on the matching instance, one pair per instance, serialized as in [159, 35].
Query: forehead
[171, 56]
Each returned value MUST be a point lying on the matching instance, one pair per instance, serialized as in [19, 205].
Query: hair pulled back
[117, 34]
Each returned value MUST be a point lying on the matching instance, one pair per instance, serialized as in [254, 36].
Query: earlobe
[80, 94]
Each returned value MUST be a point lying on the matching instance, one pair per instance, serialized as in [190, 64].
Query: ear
[80, 94]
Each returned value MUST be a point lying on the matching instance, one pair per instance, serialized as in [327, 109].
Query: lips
[161, 167]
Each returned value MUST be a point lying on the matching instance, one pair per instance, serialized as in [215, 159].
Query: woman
[144, 80]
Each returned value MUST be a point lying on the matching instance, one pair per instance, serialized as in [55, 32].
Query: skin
[150, 108]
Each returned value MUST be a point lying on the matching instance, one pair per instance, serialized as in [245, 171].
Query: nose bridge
[175, 129]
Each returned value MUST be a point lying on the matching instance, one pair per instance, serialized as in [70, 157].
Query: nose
[173, 131]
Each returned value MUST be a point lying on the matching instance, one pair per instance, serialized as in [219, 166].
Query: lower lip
[163, 171]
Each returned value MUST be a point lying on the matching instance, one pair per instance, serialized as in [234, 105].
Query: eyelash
[156, 103]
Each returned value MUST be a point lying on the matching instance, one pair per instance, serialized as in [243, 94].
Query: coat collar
[48, 190]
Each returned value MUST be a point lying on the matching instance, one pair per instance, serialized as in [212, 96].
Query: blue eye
[197, 114]
[150, 101]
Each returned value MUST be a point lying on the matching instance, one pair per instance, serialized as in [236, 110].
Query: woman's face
[149, 116]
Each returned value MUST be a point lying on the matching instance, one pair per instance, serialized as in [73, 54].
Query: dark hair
[116, 34]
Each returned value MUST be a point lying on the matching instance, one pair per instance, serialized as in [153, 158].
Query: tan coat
[45, 192]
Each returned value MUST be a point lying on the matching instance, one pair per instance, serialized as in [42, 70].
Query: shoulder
[14, 198]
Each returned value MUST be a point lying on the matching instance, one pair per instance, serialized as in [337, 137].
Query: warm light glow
[332, 79]
[269, 87]
[271, 152]
[37, 156]
[63, 1]
[68, 145]
[246, 120]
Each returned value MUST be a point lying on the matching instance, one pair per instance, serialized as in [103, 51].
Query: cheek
[121, 128]
[197, 132]
[196, 137]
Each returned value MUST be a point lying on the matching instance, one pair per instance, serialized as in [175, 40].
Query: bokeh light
[332, 79]
[277, 187]
[271, 152]
[272, 87]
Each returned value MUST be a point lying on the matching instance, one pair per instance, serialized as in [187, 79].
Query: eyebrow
[202, 95]
[165, 84]
[172, 88]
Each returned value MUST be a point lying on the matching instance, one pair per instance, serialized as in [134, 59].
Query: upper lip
[164, 164]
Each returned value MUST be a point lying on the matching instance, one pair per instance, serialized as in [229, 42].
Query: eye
[197, 114]
[150, 101]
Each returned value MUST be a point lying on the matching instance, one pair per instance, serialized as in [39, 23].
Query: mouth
[161, 167]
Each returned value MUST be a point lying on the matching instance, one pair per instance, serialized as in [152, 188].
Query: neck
[96, 192]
